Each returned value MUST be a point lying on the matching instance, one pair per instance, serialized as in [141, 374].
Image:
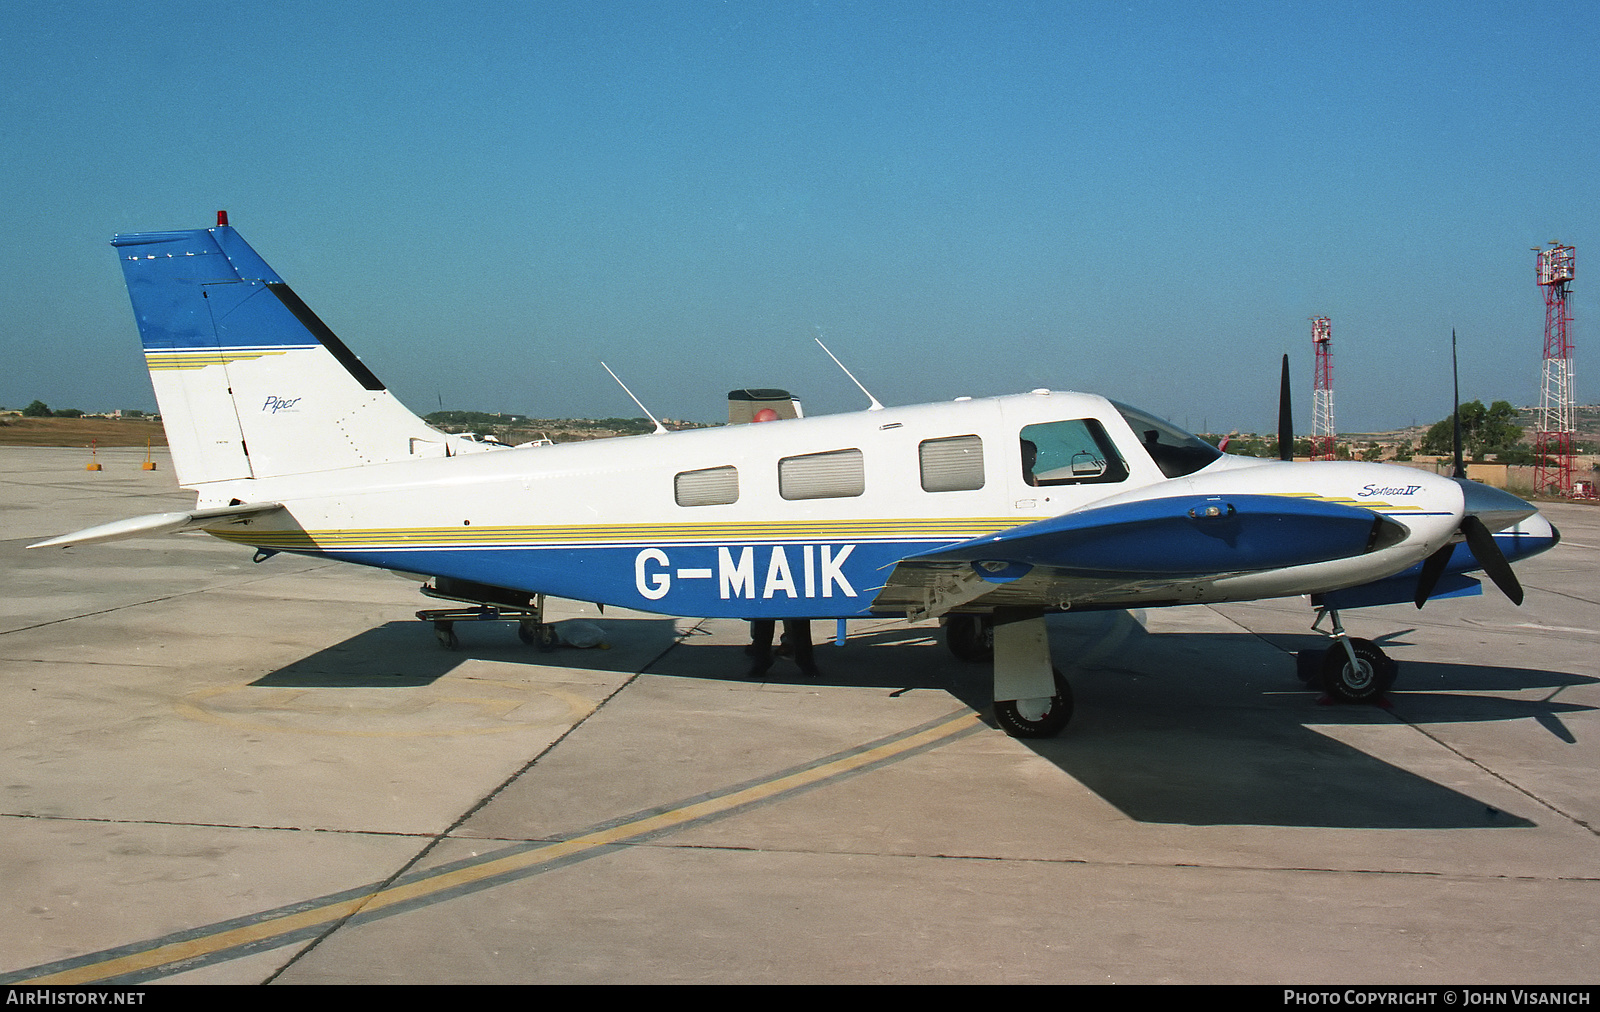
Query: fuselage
[810, 517]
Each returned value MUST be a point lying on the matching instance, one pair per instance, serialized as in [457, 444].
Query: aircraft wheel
[1368, 679]
[1036, 718]
[537, 634]
[970, 637]
[445, 633]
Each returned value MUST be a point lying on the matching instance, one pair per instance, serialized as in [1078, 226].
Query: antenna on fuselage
[659, 427]
[875, 406]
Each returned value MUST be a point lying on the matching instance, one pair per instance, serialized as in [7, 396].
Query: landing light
[1210, 510]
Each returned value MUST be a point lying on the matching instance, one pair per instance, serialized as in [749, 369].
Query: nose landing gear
[1352, 670]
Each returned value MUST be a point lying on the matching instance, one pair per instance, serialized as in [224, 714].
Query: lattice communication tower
[1557, 429]
[1322, 431]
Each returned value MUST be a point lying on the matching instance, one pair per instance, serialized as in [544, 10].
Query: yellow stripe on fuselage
[466, 536]
[1376, 505]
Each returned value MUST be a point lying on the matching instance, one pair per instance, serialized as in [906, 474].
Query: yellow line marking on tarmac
[676, 817]
[430, 885]
[178, 951]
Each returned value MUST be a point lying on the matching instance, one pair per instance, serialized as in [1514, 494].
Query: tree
[1483, 431]
[38, 409]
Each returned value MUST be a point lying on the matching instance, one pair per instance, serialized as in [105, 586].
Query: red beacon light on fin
[222, 219]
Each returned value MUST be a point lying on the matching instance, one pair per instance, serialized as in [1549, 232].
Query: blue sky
[1147, 200]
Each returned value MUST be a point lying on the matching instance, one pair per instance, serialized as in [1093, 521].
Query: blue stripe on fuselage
[824, 579]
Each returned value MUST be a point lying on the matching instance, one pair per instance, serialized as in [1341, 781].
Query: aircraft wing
[1151, 550]
[162, 523]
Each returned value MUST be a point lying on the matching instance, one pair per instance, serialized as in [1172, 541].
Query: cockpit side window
[1073, 452]
[1175, 451]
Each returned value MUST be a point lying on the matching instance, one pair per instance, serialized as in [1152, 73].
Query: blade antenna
[875, 405]
[659, 427]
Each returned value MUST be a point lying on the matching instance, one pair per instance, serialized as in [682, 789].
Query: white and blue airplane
[987, 513]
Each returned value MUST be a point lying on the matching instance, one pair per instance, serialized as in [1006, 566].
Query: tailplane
[251, 384]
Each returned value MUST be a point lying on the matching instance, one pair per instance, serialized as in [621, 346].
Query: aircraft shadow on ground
[401, 654]
[895, 659]
[1175, 727]
[1215, 729]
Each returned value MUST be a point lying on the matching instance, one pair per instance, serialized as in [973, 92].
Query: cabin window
[951, 465]
[1075, 452]
[832, 475]
[713, 486]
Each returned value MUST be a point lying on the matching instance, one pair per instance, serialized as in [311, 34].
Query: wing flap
[161, 523]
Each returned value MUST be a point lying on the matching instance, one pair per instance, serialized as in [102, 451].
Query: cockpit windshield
[1175, 451]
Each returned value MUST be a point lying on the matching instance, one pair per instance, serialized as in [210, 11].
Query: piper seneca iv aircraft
[988, 513]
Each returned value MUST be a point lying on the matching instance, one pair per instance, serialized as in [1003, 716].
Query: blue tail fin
[251, 384]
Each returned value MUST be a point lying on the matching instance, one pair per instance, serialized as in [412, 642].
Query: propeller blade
[1431, 571]
[1285, 417]
[1455, 440]
[1494, 561]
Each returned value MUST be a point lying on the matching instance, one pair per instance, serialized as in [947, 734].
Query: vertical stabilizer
[249, 381]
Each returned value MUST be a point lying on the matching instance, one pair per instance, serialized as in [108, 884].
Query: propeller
[1432, 569]
[1484, 550]
[1455, 430]
[1285, 416]
[1494, 561]
[1477, 500]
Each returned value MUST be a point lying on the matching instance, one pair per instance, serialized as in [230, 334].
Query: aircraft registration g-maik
[988, 513]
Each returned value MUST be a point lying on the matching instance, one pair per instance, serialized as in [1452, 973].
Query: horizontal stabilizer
[1186, 535]
[160, 523]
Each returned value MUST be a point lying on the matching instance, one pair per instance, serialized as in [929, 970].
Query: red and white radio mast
[1556, 422]
[1322, 431]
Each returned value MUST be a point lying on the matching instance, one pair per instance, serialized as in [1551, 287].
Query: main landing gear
[970, 637]
[1031, 698]
[1039, 716]
[1351, 670]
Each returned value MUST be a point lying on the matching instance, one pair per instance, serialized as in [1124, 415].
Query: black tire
[1045, 725]
[1369, 680]
[970, 637]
